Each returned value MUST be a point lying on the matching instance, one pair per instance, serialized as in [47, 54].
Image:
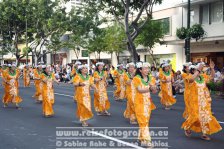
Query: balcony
[195, 2]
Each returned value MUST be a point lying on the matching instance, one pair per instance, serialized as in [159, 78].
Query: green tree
[31, 21]
[115, 40]
[97, 42]
[151, 34]
[84, 22]
[13, 20]
[50, 20]
[122, 11]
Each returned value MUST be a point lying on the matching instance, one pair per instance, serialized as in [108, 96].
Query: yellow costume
[200, 118]
[129, 113]
[73, 73]
[47, 94]
[101, 102]
[26, 77]
[152, 81]
[4, 72]
[166, 89]
[38, 85]
[187, 93]
[112, 72]
[11, 87]
[84, 111]
[119, 93]
[143, 108]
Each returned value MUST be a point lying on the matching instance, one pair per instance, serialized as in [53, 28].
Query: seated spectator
[178, 83]
[154, 72]
[217, 76]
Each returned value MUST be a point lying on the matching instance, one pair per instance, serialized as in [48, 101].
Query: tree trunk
[117, 55]
[99, 56]
[76, 54]
[55, 57]
[132, 49]
[35, 59]
[153, 58]
[130, 42]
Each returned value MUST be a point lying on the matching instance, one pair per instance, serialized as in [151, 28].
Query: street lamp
[26, 40]
[188, 39]
[1, 46]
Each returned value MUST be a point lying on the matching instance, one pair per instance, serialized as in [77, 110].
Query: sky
[167, 4]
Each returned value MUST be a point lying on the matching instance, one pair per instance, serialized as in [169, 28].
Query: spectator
[178, 82]
[217, 75]
[154, 72]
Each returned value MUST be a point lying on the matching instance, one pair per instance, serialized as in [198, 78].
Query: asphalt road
[27, 129]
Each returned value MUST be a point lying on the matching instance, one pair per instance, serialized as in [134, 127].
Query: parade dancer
[101, 102]
[130, 93]
[47, 79]
[26, 76]
[75, 69]
[200, 118]
[187, 94]
[83, 82]
[11, 83]
[166, 80]
[38, 84]
[119, 93]
[4, 71]
[143, 102]
[73, 73]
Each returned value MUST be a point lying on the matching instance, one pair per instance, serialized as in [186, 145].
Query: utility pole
[26, 44]
[188, 39]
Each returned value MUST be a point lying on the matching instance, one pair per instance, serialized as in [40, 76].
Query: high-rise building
[73, 4]
[76, 3]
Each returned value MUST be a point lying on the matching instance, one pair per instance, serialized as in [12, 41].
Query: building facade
[173, 15]
[209, 13]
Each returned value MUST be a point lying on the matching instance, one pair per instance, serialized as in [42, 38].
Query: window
[165, 25]
[192, 16]
[217, 12]
[85, 53]
[212, 13]
[205, 14]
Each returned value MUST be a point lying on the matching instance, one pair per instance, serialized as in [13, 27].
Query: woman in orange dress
[47, 78]
[75, 68]
[83, 82]
[142, 103]
[101, 102]
[129, 113]
[187, 95]
[4, 71]
[152, 82]
[119, 93]
[26, 76]
[12, 87]
[73, 73]
[200, 118]
[38, 84]
[166, 80]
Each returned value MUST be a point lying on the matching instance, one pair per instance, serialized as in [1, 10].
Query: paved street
[27, 129]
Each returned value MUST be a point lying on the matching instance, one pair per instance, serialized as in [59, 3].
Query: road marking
[89, 138]
[110, 91]
[69, 95]
[221, 122]
[107, 91]
[63, 95]
[114, 139]
[109, 127]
